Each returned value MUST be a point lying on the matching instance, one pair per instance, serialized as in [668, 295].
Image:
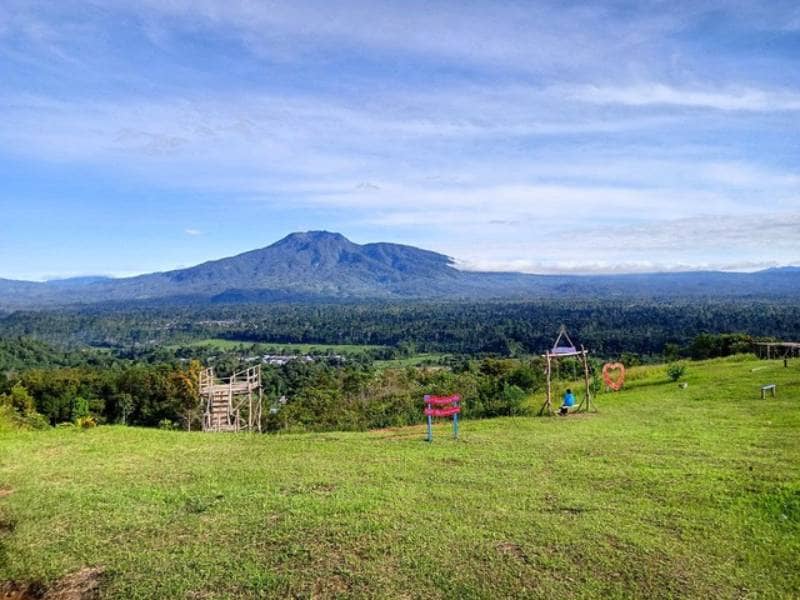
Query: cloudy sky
[543, 137]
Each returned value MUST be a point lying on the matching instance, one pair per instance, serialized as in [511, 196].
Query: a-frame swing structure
[563, 348]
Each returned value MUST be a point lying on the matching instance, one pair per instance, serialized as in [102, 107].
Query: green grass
[666, 492]
[301, 348]
[409, 361]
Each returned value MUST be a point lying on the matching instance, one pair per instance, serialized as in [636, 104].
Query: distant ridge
[322, 265]
[82, 280]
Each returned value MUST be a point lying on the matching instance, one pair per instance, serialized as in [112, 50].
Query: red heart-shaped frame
[614, 375]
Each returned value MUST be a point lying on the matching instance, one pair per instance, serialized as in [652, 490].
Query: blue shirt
[569, 400]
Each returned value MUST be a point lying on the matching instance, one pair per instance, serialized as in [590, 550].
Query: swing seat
[564, 350]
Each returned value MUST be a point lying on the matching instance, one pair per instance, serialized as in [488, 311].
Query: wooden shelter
[233, 403]
[784, 350]
[563, 348]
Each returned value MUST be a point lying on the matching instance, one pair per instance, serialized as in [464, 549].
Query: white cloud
[192, 232]
[646, 94]
[578, 267]
[729, 243]
[473, 204]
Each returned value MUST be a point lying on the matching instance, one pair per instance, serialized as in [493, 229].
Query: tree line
[607, 327]
[321, 395]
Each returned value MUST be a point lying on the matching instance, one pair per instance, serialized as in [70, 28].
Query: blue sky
[542, 137]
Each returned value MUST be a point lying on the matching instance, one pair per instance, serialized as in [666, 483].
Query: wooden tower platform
[233, 403]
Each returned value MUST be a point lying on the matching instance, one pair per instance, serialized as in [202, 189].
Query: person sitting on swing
[569, 402]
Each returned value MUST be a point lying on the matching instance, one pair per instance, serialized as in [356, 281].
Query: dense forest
[608, 328]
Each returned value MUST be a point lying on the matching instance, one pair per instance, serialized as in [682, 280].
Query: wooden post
[587, 397]
[548, 401]
[230, 398]
[250, 401]
[260, 400]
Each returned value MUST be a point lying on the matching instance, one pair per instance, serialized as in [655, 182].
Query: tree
[122, 406]
[671, 351]
[19, 399]
[79, 408]
[185, 387]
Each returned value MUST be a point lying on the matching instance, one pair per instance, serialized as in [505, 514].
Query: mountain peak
[311, 237]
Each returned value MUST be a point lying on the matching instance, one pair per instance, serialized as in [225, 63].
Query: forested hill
[322, 265]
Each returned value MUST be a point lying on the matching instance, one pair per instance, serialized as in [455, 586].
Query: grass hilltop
[666, 492]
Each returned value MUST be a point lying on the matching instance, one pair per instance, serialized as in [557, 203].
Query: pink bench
[442, 406]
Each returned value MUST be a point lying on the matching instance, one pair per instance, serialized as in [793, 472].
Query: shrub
[166, 425]
[11, 420]
[36, 421]
[19, 399]
[86, 422]
[708, 345]
[675, 371]
[18, 410]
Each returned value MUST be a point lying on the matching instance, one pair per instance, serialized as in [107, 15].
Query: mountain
[318, 265]
[76, 281]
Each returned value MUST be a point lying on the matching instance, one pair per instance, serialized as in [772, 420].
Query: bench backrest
[442, 406]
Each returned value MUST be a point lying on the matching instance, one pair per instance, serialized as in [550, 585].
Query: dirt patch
[513, 550]
[333, 586]
[5, 492]
[323, 488]
[319, 488]
[6, 526]
[414, 432]
[570, 510]
[12, 590]
[80, 585]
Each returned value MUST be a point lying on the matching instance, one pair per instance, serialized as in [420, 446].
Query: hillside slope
[665, 493]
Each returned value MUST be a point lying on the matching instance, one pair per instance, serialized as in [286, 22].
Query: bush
[708, 345]
[18, 411]
[675, 371]
[166, 425]
[19, 399]
[86, 422]
[36, 421]
[11, 420]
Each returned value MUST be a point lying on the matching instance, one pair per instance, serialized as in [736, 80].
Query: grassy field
[410, 361]
[666, 492]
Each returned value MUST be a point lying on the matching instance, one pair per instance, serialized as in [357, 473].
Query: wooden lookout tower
[233, 403]
[563, 348]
